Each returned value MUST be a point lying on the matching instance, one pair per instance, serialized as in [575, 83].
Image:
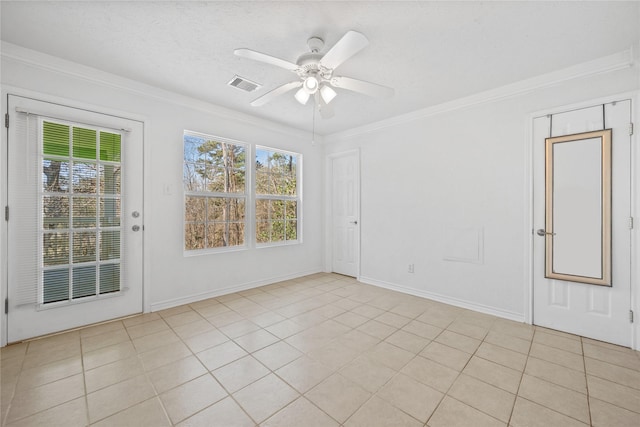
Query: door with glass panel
[75, 218]
[582, 208]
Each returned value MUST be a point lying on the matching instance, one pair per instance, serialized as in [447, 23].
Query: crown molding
[606, 64]
[58, 65]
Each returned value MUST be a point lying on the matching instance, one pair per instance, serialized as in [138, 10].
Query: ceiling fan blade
[263, 57]
[366, 88]
[326, 110]
[350, 44]
[275, 93]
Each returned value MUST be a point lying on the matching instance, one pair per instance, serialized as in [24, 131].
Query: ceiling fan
[316, 73]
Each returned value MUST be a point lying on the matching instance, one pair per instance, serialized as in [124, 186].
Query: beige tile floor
[322, 351]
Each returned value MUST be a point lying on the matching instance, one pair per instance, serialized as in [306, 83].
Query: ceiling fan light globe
[310, 85]
[327, 93]
[302, 96]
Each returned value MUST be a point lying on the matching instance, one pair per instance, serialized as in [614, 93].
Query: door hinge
[631, 316]
[631, 128]
[630, 223]
[6, 213]
[6, 306]
[6, 120]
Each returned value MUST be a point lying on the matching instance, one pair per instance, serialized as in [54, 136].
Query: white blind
[23, 254]
[65, 238]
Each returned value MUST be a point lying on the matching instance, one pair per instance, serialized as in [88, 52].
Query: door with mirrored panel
[75, 225]
[582, 205]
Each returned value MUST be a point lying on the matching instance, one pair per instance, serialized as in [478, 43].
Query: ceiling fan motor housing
[309, 64]
[315, 44]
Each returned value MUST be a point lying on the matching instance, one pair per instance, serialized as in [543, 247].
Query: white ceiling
[430, 52]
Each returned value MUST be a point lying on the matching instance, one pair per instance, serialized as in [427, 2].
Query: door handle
[542, 232]
[136, 227]
[353, 222]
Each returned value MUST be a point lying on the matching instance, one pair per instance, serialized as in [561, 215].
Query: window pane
[55, 176]
[215, 235]
[215, 180]
[195, 208]
[290, 184]
[84, 143]
[262, 210]
[237, 159]
[55, 284]
[291, 209]
[262, 182]
[110, 146]
[110, 179]
[194, 236]
[236, 209]
[55, 212]
[262, 232]
[84, 212]
[193, 177]
[217, 209]
[192, 151]
[292, 230]
[84, 281]
[276, 183]
[214, 153]
[84, 177]
[235, 178]
[236, 233]
[277, 209]
[55, 139]
[109, 278]
[55, 249]
[109, 245]
[109, 212]
[277, 231]
[262, 159]
[84, 247]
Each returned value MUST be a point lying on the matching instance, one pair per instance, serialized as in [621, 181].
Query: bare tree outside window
[277, 200]
[214, 180]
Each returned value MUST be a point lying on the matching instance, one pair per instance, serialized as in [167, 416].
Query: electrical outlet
[410, 268]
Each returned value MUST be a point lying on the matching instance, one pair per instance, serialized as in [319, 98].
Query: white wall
[460, 172]
[172, 278]
[421, 179]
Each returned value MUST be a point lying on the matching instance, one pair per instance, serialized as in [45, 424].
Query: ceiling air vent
[244, 84]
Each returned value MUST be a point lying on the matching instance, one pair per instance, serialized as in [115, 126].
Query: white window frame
[211, 194]
[297, 198]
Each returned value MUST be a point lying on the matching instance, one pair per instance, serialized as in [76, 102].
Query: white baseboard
[510, 315]
[162, 305]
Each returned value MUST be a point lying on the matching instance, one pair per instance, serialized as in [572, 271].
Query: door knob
[353, 222]
[542, 232]
[136, 227]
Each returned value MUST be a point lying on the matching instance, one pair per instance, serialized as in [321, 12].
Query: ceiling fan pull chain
[313, 126]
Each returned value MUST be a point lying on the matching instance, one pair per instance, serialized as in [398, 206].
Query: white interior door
[345, 197]
[569, 233]
[75, 218]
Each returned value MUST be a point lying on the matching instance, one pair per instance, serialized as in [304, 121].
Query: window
[277, 196]
[214, 179]
[80, 205]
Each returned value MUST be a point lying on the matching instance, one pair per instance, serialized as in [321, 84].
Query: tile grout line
[586, 381]
[524, 369]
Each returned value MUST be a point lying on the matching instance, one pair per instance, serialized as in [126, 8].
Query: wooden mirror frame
[605, 204]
